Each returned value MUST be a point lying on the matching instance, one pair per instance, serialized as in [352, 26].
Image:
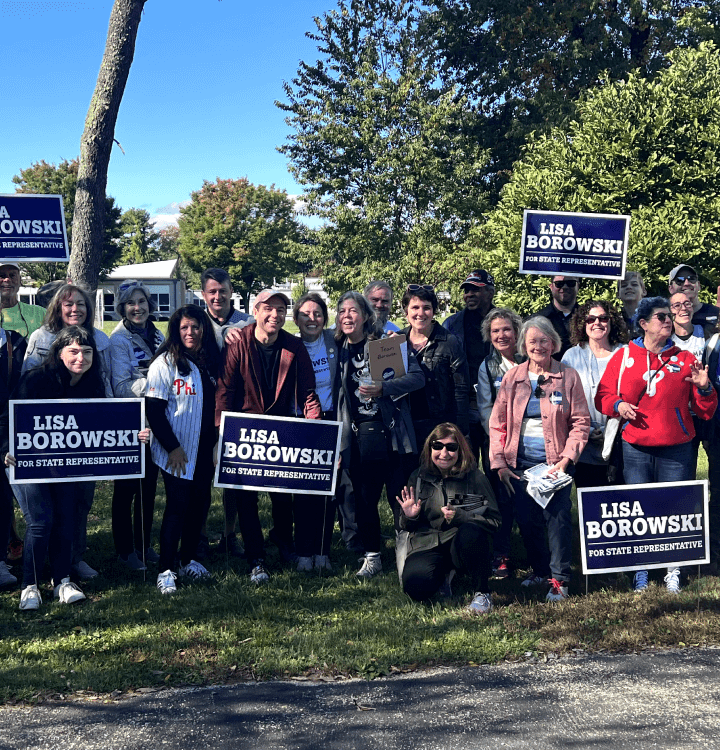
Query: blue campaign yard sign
[574, 244]
[643, 526]
[69, 440]
[32, 228]
[278, 454]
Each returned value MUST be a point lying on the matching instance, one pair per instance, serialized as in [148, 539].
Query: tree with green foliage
[648, 148]
[523, 64]
[62, 179]
[382, 149]
[169, 242]
[139, 242]
[248, 230]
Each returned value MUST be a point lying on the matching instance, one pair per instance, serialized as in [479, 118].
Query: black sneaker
[501, 567]
[231, 545]
[203, 548]
[286, 551]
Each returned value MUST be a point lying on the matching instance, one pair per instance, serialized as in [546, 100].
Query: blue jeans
[550, 558]
[671, 463]
[50, 515]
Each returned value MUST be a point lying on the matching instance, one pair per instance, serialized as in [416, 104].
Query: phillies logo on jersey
[181, 385]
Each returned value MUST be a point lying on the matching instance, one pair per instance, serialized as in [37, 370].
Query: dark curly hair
[618, 332]
[209, 354]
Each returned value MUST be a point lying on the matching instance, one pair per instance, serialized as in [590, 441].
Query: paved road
[667, 700]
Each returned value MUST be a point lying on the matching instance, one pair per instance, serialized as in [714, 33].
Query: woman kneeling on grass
[449, 511]
[180, 407]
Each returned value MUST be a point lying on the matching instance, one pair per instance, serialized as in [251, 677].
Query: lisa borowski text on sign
[643, 526]
[32, 228]
[574, 244]
[277, 454]
[75, 440]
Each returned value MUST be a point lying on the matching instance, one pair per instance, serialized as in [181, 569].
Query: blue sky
[199, 102]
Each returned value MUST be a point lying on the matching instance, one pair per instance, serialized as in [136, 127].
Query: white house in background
[169, 292]
[161, 279]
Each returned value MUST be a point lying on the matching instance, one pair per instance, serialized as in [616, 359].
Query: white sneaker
[673, 585]
[259, 574]
[558, 591]
[371, 565]
[6, 577]
[640, 581]
[68, 592]
[83, 571]
[194, 570]
[166, 582]
[30, 598]
[322, 562]
[481, 604]
[305, 564]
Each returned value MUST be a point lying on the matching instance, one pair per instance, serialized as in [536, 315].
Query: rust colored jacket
[239, 384]
[565, 425]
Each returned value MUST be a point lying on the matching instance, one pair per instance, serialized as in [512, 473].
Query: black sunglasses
[679, 280]
[538, 393]
[437, 445]
[600, 318]
[662, 316]
[418, 287]
[570, 283]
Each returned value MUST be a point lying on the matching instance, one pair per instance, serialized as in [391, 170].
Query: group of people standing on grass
[564, 388]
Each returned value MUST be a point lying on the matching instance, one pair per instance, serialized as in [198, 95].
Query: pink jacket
[565, 425]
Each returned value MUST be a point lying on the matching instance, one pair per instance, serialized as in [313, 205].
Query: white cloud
[163, 221]
[167, 216]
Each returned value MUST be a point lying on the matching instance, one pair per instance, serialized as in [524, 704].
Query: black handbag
[372, 441]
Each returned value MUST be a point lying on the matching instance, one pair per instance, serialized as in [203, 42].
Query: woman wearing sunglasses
[651, 384]
[540, 416]
[448, 510]
[443, 361]
[597, 331]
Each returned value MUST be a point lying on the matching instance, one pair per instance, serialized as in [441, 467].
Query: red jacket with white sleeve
[656, 384]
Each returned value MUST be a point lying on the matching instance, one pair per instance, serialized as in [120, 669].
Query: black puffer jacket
[444, 364]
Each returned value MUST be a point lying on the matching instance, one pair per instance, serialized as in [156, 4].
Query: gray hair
[500, 312]
[545, 326]
[377, 284]
[364, 306]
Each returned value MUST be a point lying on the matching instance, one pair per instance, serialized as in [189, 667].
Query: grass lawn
[126, 636]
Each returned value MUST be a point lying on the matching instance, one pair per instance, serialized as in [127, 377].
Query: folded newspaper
[543, 483]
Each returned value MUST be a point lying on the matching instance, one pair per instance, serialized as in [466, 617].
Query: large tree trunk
[97, 141]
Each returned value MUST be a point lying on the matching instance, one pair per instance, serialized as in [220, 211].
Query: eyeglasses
[591, 319]
[570, 283]
[680, 305]
[662, 316]
[538, 393]
[679, 280]
[418, 287]
[437, 445]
